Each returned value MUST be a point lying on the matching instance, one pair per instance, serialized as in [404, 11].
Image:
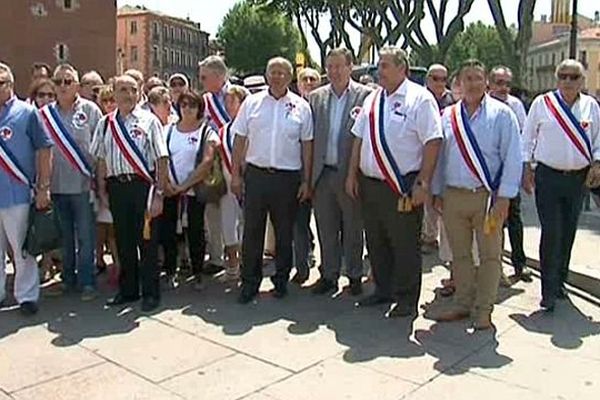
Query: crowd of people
[179, 184]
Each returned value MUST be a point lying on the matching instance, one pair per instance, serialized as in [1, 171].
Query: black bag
[43, 231]
[214, 186]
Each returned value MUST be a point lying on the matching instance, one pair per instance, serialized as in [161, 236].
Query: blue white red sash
[383, 155]
[569, 123]
[470, 150]
[64, 140]
[227, 146]
[216, 110]
[8, 161]
[128, 148]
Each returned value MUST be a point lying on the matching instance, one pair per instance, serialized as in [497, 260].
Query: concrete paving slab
[105, 381]
[157, 351]
[29, 357]
[230, 378]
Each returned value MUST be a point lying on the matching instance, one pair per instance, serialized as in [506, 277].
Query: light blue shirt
[22, 132]
[336, 110]
[496, 130]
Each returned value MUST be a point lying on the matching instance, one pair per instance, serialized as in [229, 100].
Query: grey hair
[66, 67]
[6, 69]
[282, 62]
[398, 55]
[569, 63]
[214, 63]
[158, 95]
[93, 75]
[436, 67]
[309, 71]
[498, 69]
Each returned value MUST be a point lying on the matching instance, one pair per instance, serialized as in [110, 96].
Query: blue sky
[210, 13]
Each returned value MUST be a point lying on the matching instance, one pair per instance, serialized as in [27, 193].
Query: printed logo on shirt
[354, 112]
[136, 132]
[396, 107]
[80, 119]
[6, 133]
[585, 124]
[290, 109]
[192, 140]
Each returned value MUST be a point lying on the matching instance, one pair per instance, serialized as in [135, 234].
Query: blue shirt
[22, 132]
[496, 130]
[337, 105]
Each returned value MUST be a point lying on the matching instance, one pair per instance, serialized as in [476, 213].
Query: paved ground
[204, 346]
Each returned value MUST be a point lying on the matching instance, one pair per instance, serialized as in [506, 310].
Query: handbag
[214, 186]
[43, 231]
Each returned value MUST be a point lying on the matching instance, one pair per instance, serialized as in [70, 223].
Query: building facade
[159, 45]
[80, 32]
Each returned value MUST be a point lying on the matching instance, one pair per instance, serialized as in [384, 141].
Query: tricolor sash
[128, 148]
[473, 157]
[8, 161]
[216, 110]
[569, 123]
[64, 140]
[383, 155]
[227, 146]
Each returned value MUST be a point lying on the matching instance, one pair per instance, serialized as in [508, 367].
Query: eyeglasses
[61, 82]
[309, 79]
[439, 78]
[502, 82]
[188, 104]
[2, 83]
[44, 95]
[570, 77]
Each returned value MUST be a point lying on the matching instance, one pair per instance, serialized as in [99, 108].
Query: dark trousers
[194, 232]
[515, 234]
[274, 193]
[302, 238]
[392, 242]
[128, 206]
[559, 198]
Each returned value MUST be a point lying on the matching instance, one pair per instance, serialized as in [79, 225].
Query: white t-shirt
[183, 148]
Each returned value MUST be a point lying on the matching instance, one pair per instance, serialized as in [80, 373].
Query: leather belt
[271, 170]
[124, 178]
[570, 172]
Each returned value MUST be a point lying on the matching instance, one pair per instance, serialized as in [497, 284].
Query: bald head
[126, 93]
[437, 78]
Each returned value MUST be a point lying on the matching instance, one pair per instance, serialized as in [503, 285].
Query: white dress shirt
[411, 119]
[545, 141]
[518, 108]
[275, 129]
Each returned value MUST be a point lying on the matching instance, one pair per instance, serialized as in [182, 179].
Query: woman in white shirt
[185, 140]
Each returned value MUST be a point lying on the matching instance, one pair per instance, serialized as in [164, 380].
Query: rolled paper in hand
[405, 204]
[489, 224]
[147, 229]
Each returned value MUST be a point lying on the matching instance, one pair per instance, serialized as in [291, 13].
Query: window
[133, 27]
[165, 32]
[61, 52]
[155, 56]
[156, 30]
[134, 54]
[553, 59]
[67, 4]
[172, 33]
[165, 55]
[172, 56]
[583, 58]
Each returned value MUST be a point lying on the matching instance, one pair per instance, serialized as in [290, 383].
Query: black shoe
[356, 287]
[150, 304]
[212, 269]
[246, 296]
[562, 294]
[399, 311]
[373, 300]
[547, 305]
[280, 291]
[299, 278]
[523, 274]
[119, 300]
[324, 286]
[28, 308]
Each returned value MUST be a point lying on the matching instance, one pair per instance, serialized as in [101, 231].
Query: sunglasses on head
[570, 77]
[188, 104]
[43, 95]
[61, 82]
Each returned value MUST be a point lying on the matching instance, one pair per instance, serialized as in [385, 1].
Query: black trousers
[273, 193]
[559, 198]
[138, 258]
[514, 224]
[194, 232]
[392, 242]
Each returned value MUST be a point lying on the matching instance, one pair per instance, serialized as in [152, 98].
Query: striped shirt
[145, 130]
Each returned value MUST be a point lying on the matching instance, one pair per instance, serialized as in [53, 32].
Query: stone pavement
[205, 346]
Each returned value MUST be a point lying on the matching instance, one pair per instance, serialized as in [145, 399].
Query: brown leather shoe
[452, 315]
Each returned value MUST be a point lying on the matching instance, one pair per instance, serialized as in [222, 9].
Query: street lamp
[573, 37]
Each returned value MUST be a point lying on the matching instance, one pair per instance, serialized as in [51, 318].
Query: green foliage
[251, 35]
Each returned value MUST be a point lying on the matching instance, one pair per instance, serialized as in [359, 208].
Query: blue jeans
[77, 222]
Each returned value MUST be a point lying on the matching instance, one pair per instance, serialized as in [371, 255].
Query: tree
[516, 46]
[251, 35]
[477, 41]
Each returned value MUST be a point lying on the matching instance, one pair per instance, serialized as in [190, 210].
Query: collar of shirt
[480, 107]
[7, 104]
[76, 104]
[344, 93]
[400, 91]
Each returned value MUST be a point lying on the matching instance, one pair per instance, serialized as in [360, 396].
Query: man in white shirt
[276, 127]
[499, 82]
[397, 140]
[561, 140]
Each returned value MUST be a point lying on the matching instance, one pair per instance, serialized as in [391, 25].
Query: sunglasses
[439, 78]
[188, 104]
[44, 95]
[570, 77]
[61, 82]
[177, 83]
